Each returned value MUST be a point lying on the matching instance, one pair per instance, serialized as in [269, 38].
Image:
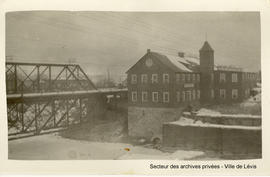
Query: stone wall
[238, 140]
[225, 119]
[148, 122]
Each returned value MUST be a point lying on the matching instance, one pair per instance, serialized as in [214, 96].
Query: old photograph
[110, 85]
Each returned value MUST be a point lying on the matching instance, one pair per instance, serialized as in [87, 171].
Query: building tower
[207, 71]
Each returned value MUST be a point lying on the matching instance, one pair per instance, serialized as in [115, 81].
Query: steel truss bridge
[44, 97]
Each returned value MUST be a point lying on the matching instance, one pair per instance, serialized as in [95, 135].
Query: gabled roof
[175, 63]
[206, 47]
[172, 62]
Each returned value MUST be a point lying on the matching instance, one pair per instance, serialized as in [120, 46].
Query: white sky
[116, 40]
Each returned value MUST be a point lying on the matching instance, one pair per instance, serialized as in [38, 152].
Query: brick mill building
[161, 86]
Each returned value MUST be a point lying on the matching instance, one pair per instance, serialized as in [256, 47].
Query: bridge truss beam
[44, 77]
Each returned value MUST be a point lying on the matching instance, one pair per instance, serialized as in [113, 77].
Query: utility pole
[108, 77]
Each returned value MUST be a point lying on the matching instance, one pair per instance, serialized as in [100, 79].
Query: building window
[133, 96]
[193, 77]
[222, 77]
[188, 77]
[133, 79]
[188, 95]
[144, 96]
[198, 94]
[183, 96]
[166, 98]
[212, 93]
[144, 78]
[155, 97]
[183, 78]
[247, 92]
[212, 77]
[194, 95]
[222, 93]
[166, 78]
[178, 78]
[178, 96]
[234, 77]
[198, 77]
[234, 93]
[154, 78]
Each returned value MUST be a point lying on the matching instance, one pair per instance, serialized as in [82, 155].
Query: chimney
[148, 50]
[181, 54]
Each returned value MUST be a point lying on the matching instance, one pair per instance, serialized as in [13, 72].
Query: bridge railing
[44, 77]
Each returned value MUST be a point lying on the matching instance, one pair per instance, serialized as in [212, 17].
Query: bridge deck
[64, 93]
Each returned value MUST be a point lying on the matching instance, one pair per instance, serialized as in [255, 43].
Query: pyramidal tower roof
[206, 47]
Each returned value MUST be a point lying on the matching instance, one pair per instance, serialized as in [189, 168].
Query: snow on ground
[250, 107]
[190, 122]
[252, 101]
[177, 155]
[54, 147]
[213, 113]
[204, 111]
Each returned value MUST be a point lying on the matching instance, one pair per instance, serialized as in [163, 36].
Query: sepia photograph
[111, 85]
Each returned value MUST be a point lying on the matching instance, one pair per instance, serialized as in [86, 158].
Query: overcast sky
[116, 40]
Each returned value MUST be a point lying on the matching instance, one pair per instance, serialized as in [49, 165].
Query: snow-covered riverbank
[54, 147]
